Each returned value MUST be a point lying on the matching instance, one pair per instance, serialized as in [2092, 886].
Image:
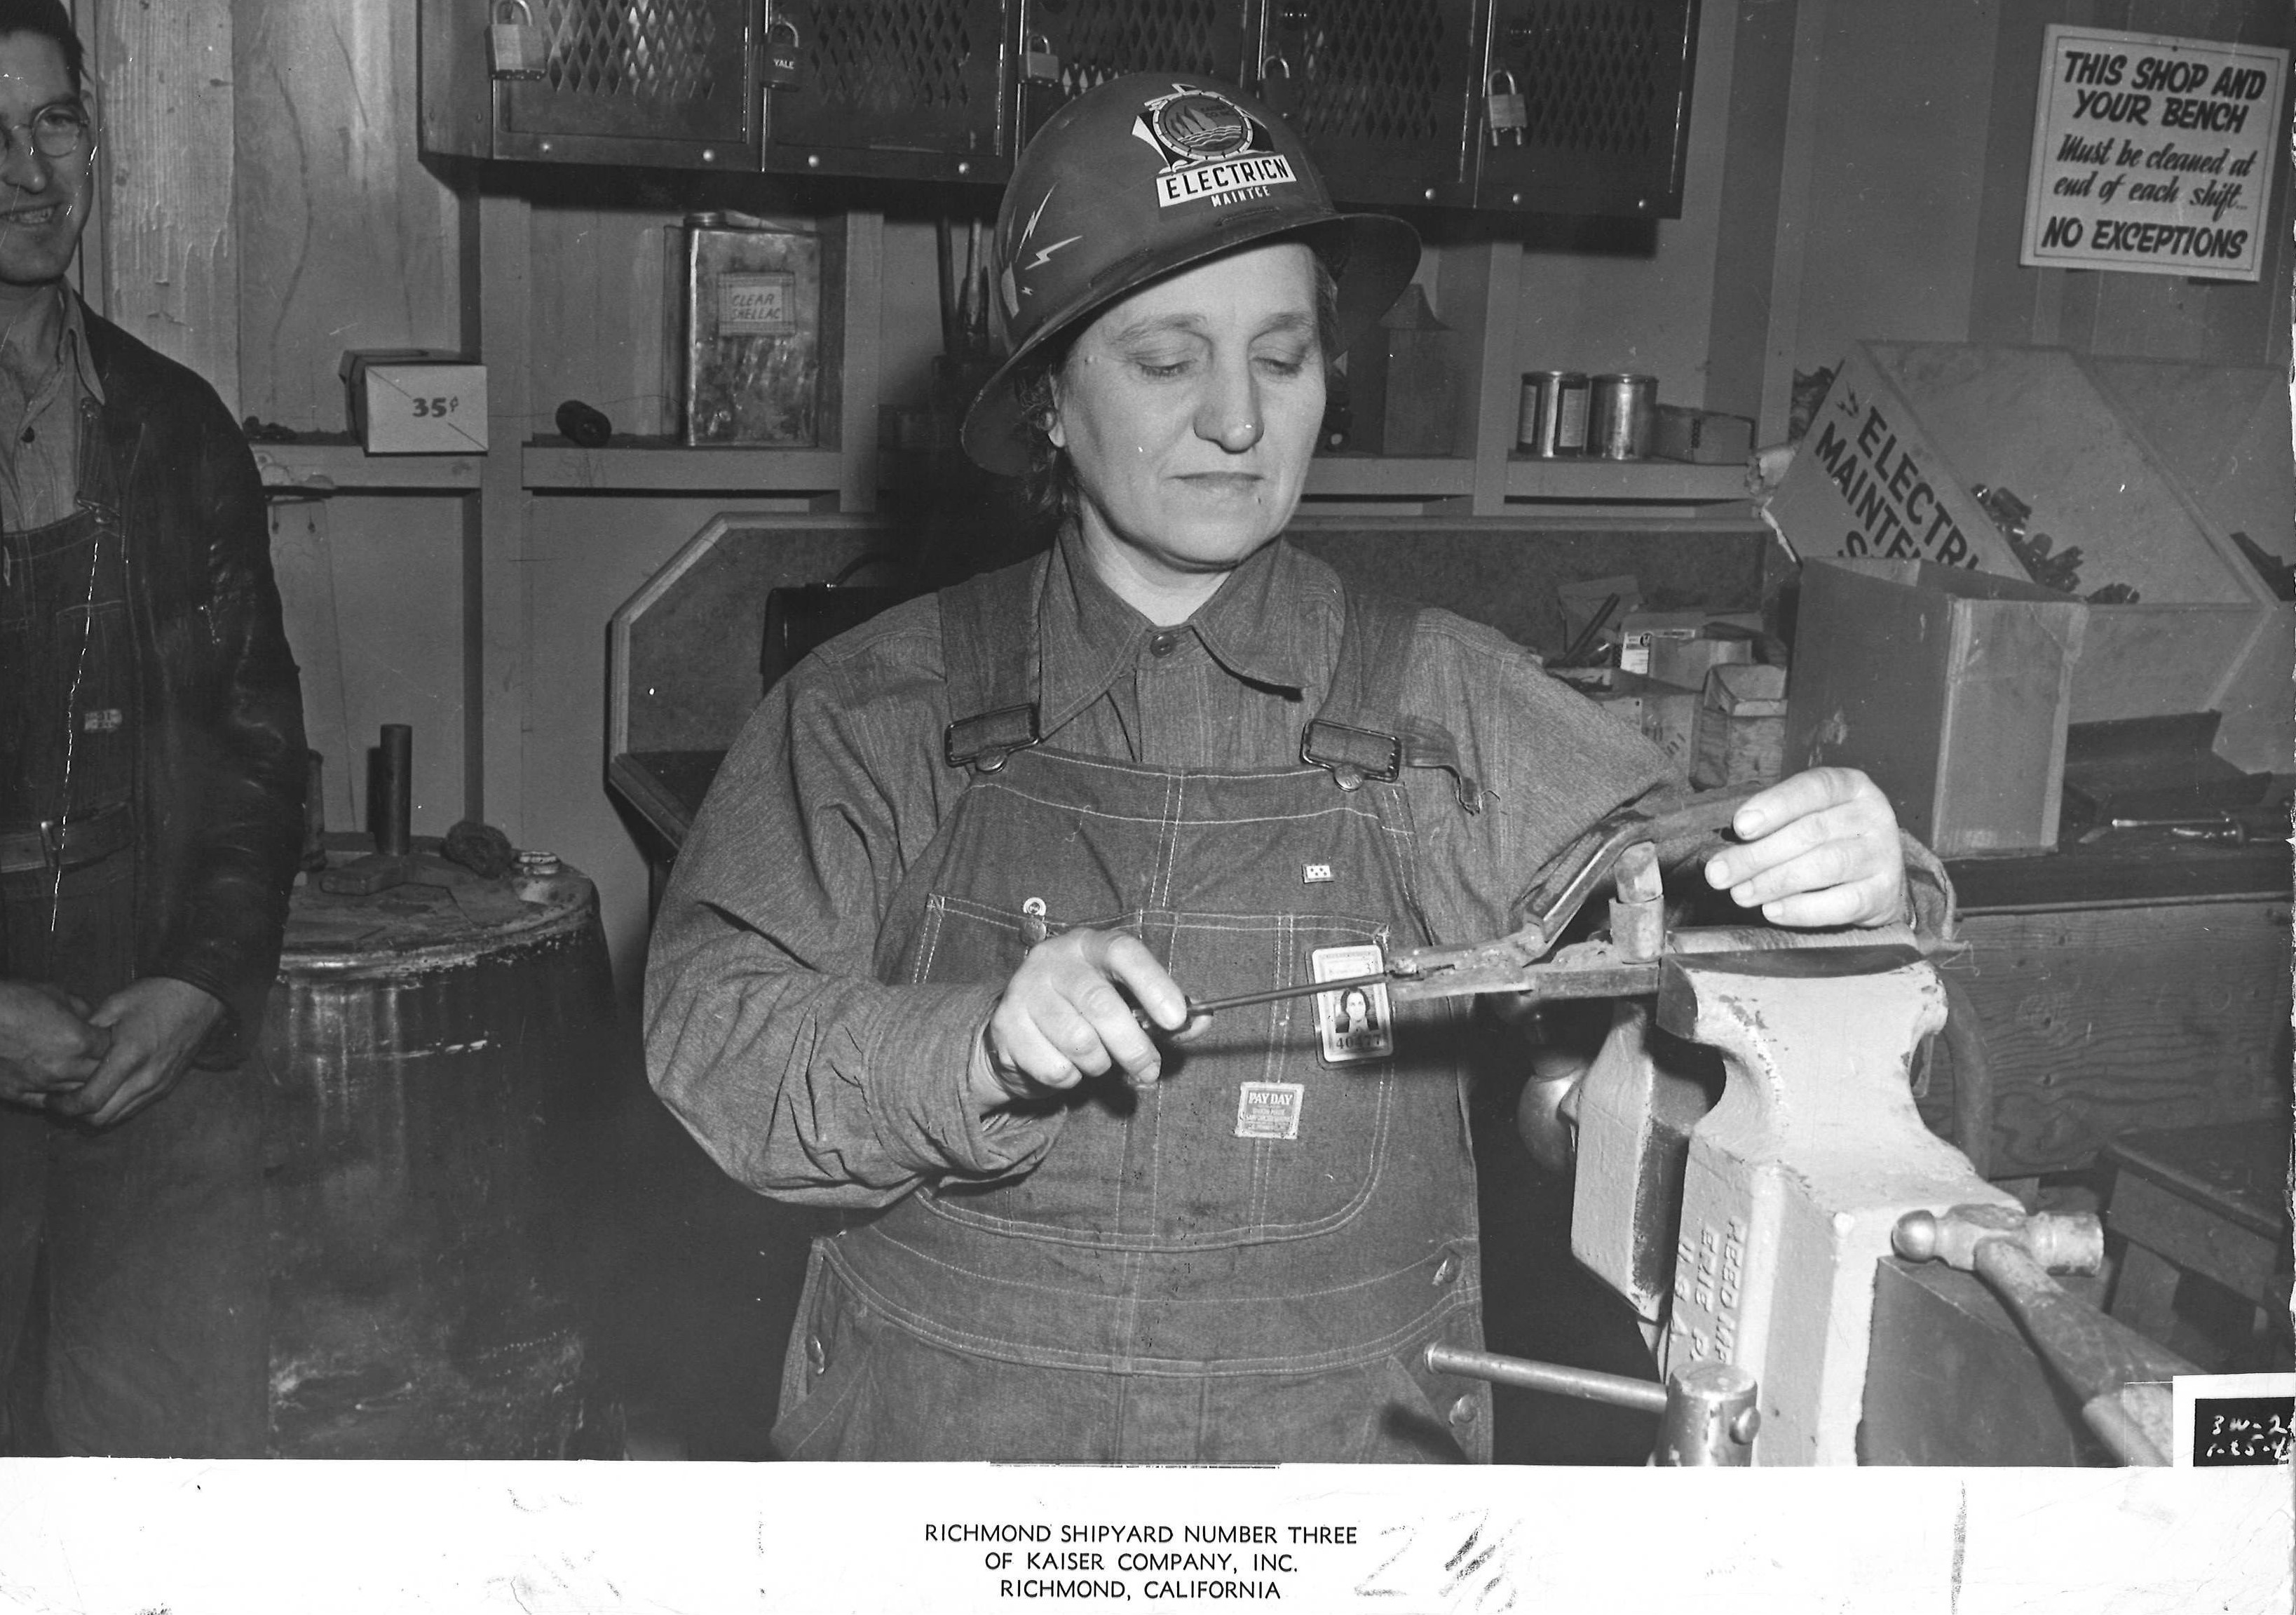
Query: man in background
[152, 768]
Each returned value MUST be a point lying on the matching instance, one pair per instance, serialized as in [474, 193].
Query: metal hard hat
[1145, 174]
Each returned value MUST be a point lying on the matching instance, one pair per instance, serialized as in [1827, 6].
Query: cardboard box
[1642, 634]
[1741, 729]
[416, 400]
[1907, 429]
[1702, 437]
[1950, 687]
[1403, 382]
[1670, 719]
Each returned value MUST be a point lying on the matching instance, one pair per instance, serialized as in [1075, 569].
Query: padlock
[781, 49]
[515, 47]
[1278, 86]
[1038, 62]
[1507, 114]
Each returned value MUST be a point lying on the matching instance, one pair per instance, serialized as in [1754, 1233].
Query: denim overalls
[1240, 1263]
[153, 1229]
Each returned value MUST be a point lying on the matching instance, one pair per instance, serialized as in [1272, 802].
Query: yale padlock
[514, 45]
[1038, 62]
[781, 48]
[1508, 116]
[1278, 87]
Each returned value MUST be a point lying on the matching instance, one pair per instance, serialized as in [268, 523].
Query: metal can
[1553, 421]
[1621, 411]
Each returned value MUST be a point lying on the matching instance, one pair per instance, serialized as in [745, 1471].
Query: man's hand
[1821, 848]
[46, 1045]
[156, 1025]
[1065, 1017]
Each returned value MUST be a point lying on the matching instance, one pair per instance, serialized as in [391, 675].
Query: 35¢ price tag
[422, 409]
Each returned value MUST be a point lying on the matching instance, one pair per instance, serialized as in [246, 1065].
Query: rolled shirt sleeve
[768, 1032]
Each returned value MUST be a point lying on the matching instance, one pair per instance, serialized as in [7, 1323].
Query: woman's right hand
[1067, 1014]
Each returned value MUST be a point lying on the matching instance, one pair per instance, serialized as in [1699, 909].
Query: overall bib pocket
[1250, 1134]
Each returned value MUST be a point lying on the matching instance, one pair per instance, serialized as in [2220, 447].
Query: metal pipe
[1552, 1377]
[394, 796]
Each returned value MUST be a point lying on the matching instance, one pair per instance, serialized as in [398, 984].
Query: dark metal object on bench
[2211, 1201]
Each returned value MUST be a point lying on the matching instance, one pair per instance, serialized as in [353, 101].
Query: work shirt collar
[70, 335]
[1256, 627]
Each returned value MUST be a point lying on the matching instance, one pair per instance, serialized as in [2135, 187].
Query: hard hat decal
[1211, 148]
[1077, 230]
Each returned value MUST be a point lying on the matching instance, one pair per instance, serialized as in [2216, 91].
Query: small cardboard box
[1403, 382]
[416, 400]
[1741, 731]
[1670, 719]
[1702, 437]
[1950, 687]
[1649, 639]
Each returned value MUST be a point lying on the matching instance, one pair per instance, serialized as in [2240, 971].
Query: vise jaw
[1790, 1184]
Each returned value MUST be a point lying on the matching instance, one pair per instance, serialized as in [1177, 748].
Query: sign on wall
[2152, 154]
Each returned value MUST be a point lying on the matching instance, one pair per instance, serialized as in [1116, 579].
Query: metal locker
[1096, 40]
[1606, 100]
[663, 82]
[1382, 92]
[893, 89]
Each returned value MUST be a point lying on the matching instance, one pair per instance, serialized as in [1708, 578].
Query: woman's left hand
[1820, 849]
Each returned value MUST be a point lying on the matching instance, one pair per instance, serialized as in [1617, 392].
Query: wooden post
[495, 600]
[1479, 293]
[165, 163]
[862, 342]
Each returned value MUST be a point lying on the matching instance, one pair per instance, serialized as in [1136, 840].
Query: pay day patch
[1211, 148]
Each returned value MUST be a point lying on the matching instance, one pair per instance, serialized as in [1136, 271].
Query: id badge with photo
[1355, 1024]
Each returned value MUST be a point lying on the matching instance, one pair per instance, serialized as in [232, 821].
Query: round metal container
[1620, 410]
[438, 1058]
[1551, 423]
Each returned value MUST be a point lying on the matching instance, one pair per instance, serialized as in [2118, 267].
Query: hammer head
[2059, 1243]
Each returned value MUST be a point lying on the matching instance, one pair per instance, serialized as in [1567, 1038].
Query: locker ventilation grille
[887, 58]
[1373, 70]
[1590, 76]
[1104, 39]
[635, 50]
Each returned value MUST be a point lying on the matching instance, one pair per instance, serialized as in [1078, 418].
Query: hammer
[2106, 1363]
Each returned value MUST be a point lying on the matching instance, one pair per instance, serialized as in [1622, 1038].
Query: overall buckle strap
[989, 647]
[984, 741]
[1362, 732]
[1352, 754]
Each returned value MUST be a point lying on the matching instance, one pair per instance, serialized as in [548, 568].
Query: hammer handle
[2097, 1356]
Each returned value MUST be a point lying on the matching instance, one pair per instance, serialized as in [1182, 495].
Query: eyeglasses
[57, 131]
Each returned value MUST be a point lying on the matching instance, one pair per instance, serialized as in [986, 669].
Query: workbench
[2136, 982]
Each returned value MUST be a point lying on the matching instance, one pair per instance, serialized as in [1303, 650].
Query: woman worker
[898, 966]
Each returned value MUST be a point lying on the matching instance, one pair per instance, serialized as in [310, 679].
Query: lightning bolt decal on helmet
[1145, 174]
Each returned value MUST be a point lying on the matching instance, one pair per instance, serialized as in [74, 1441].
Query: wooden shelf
[1372, 475]
[324, 468]
[654, 466]
[1600, 480]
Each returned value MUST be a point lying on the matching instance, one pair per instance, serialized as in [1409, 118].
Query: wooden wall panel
[1897, 170]
[165, 162]
[597, 318]
[345, 241]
